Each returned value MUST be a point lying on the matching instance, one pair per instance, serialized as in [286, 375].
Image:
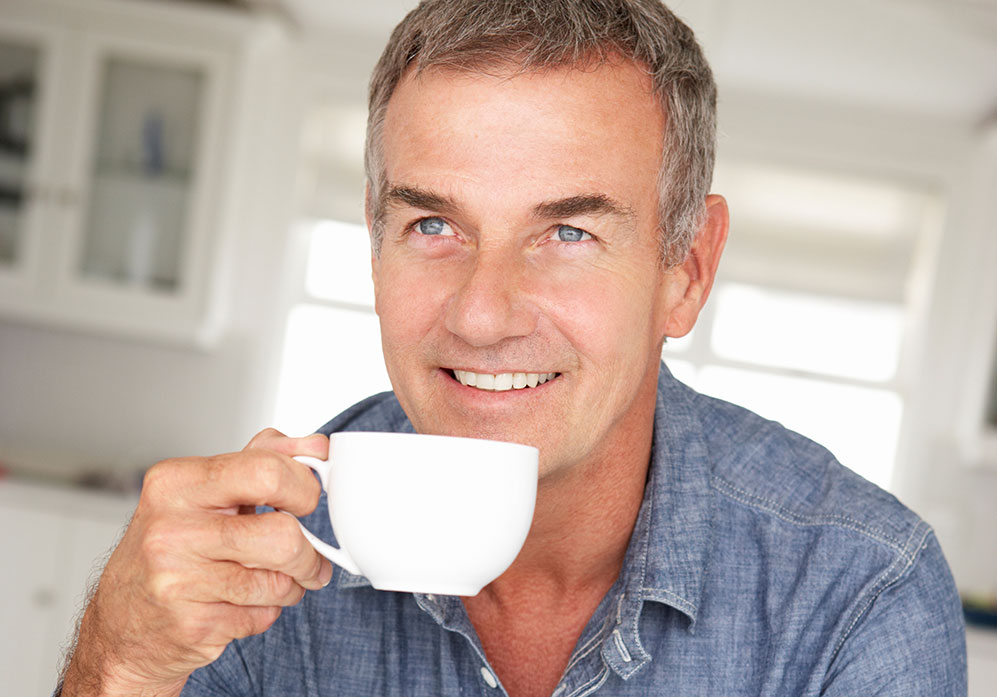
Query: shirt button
[487, 676]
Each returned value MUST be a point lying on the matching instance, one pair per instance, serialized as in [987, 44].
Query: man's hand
[197, 567]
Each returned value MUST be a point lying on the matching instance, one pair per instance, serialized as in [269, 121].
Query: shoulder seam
[775, 508]
[890, 575]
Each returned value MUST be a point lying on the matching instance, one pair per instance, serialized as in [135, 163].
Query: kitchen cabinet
[120, 147]
[54, 540]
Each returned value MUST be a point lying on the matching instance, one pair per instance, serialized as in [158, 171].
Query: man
[537, 197]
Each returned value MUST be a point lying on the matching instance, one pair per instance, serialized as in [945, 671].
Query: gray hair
[537, 34]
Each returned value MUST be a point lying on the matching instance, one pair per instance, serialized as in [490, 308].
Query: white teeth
[502, 382]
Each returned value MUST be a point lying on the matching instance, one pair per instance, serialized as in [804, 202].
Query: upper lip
[489, 371]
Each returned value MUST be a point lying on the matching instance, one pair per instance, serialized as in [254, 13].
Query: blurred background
[183, 261]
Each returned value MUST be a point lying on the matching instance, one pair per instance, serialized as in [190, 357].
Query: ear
[690, 282]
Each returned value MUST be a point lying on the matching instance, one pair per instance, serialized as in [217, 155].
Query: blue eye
[566, 233]
[433, 226]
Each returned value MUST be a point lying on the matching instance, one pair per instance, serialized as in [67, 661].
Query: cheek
[408, 302]
[607, 318]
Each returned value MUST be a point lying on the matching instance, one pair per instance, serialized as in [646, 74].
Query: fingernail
[325, 575]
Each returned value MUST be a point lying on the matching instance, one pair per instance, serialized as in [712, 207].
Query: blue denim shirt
[758, 566]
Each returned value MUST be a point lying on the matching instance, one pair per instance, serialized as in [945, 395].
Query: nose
[489, 303]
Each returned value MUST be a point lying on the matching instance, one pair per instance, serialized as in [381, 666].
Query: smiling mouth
[501, 382]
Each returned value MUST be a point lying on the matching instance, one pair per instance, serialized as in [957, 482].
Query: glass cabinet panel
[18, 90]
[142, 174]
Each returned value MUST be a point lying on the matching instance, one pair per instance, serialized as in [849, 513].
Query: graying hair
[474, 35]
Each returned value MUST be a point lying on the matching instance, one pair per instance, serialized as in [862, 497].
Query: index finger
[315, 445]
[253, 477]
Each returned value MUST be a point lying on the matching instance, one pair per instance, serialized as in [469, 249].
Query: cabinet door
[30, 585]
[29, 58]
[86, 544]
[139, 242]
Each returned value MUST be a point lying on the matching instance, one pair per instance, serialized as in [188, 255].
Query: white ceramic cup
[426, 514]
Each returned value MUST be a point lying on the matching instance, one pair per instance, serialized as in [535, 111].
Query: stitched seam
[595, 683]
[788, 516]
[591, 644]
[885, 581]
[643, 654]
[621, 647]
[677, 600]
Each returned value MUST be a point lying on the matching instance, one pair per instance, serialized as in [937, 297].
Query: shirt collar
[669, 550]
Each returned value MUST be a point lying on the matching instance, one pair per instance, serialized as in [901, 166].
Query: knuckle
[156, 479]
[260, 587]
[288, 542]
[259, 619]
[232, 531]
[193, 630]
[279, 585]
[267, 474]
[165, 587]
[243, 589]
[158, 541]
[263, 436]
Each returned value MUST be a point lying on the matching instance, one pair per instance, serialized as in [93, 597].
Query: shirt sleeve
[233, 674]
[911, 642]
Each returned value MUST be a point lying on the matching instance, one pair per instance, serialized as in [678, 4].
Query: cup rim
[429, 436]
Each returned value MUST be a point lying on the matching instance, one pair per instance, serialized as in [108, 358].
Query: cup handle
[336, 555]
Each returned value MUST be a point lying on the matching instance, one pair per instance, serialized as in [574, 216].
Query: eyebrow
[581, 204]
[420, 198]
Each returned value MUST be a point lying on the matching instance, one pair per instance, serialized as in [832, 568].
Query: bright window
[332, 344]
[807, 332]
[807, 322]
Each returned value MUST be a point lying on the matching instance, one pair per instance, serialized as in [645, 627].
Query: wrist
[83, 682]
[96, 668]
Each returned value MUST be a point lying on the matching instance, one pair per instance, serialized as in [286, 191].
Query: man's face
[521, 241]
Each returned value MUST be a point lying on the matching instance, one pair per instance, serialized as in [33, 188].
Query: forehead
[595, 126]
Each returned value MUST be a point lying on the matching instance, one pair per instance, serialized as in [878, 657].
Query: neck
[583, 520]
